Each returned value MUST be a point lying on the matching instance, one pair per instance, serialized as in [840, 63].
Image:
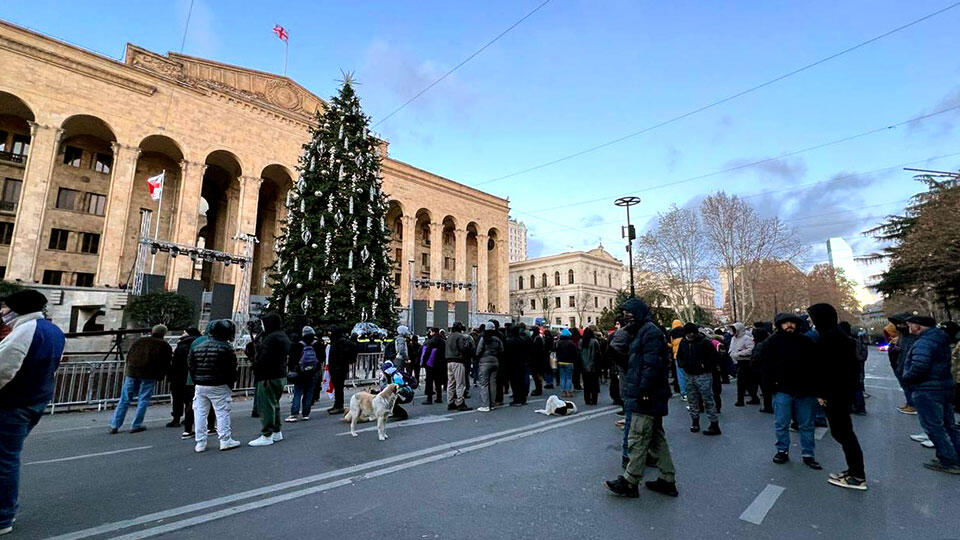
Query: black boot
[662, 486]
[695, 425]
[713, 429]
[622, 487]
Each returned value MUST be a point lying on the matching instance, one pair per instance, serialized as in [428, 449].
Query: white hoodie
[741, 345]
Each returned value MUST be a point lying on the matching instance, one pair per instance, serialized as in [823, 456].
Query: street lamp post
[629, 233]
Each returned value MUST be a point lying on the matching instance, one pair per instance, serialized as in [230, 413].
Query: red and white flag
[155, 184]
[280, 32]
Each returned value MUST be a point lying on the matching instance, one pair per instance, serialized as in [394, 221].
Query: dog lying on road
[379, 406]
[558, 407]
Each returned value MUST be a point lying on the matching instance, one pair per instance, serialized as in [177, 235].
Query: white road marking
[272, 488]
[818, 433]
[420, 420]
[757, 511]
[84, 456]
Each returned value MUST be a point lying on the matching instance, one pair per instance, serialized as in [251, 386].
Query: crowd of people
[807, 370]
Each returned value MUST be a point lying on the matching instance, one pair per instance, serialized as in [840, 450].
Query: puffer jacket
[926, 365]
[212, 361]
[489, 347]
[149, 358]
[698, 355]
[645, 380]
[787, 362]
[567, 352]
[836, 356]
[741, 344]
[271, 360]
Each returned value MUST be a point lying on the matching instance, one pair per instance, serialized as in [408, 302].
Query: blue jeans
[15, 425]
[935, 410]
[143, 388]
[628, 405]
[566, 376]
[682, 381]
[786, 408]
[303, 391]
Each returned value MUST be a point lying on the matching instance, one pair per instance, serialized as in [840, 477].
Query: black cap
[26, 301]
[690, 328]
[922, 320]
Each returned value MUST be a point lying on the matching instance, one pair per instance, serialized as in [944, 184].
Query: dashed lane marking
[757, 511]
[84, 456]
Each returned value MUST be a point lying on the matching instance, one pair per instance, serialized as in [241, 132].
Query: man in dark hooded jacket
[789, 371]
[343, 352]
[646, 392]
[698, 359]
[270, 371]
[839, 371]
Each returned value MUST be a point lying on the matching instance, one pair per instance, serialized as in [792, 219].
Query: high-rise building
[841, 256]
[517, 241]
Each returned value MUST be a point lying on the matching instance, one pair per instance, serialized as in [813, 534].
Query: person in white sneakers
[213, 369]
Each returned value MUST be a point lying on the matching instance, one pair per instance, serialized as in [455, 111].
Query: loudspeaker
[440, 314]
[221, 301]
[153, 283]
[461, 313]
[192, 289]
[420, 317]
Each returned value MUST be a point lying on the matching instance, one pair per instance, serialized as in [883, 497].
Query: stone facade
[567, 289]
[518, 241]
[228, 140]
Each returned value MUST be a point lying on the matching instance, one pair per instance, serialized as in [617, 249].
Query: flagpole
[156, 234]
[286, 49]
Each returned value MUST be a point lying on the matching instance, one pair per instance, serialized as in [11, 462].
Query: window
[596, 301]
[569, 276]
[449, 263]
[67, 199]
[589, 319]
[556, 301]
[520, 283]
[557, 320]
[396, 279]
[89, 243]
[21, 145]
[94, 203]
[571, 301]
[556, 278]
[52, 277]
[102, 162]
[11, 195]
[6, 233]
[533, 303]
[573, 322]
[3, 141]
[58, 240]
[543, 279]
[533, 281]
[3, 272]
[609, 280]
[594, 277]
[399, 256]
[84, 279]
[426, 234]
[425, 261]
[72, 156]
[611, 302]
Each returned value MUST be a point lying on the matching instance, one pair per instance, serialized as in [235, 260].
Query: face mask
[10, 316]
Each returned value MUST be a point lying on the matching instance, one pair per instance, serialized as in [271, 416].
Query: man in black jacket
[839, 368]
[213, 368]
[432, 358]
[270, 371]
[698, 359]
[459, 351]
[178, 377]
[789, 371]
[343, 352]
[646, 393]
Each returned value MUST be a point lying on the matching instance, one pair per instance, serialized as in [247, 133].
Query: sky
[579, 73]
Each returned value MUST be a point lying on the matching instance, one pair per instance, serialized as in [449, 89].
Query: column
[482, 298]
[117, 211]
[407, 254]
[460, 260]
[246, 224]
[436, 259]
[25, 244]
[503, 274]
[187, 213]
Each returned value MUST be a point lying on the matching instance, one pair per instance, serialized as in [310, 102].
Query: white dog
[366, 405]
[558, 407]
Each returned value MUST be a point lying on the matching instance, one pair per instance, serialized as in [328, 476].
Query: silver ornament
[305, 304]
[296, 264]
[299, 285]
[306, 236]
[317, 193]
[310, 274]
[340, 136]
[313, 245]
[350, 206]
[364, 254]
[350, 260]
[286, 279]
[335, 277]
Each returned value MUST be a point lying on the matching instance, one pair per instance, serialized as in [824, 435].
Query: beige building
[80, 134]
[517, 243]
[570, 289]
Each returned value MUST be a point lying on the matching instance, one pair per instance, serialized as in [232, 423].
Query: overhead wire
[725, 99]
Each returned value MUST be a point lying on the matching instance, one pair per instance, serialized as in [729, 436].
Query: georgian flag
[155, 184]
[281, 32]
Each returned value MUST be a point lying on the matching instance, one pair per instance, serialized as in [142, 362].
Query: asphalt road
[510, 473]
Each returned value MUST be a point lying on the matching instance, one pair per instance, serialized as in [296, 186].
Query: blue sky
[579, 73]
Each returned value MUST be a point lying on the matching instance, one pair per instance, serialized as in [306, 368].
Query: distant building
[517, 245]
[569, 289]
[841, 256]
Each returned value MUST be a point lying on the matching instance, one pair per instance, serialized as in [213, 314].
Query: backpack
[308, 359]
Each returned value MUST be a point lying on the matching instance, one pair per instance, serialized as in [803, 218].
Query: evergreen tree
[333, 265]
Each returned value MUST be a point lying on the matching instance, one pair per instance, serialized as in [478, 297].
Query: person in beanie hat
[269, 369]
[698, 358]
[29, 357]
[304, 363]
[212, 364]
[147, 362]
[926, 375]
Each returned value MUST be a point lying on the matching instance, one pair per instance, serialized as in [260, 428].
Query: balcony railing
[10, 156]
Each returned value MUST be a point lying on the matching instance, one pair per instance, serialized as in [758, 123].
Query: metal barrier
[97, 383]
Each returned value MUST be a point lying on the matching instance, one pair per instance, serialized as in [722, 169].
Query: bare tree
[583, 301]
[545, 297]
[675, 253]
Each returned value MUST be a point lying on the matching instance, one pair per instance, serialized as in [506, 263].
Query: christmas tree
[332, 262]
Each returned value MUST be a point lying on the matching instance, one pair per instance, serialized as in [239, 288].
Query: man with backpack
[459, 352]
[303, 365]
